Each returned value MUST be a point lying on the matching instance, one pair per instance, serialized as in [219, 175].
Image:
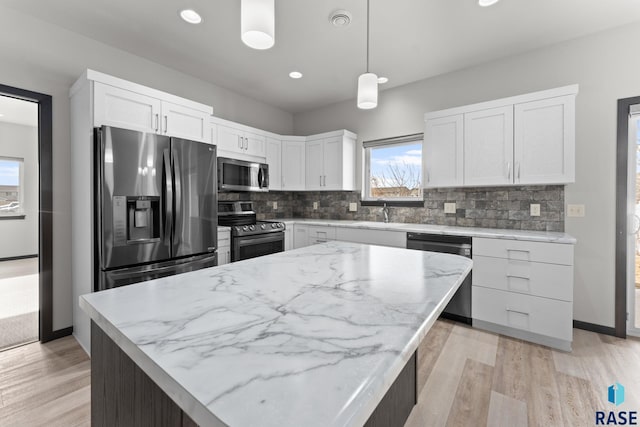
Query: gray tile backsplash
[492, 207]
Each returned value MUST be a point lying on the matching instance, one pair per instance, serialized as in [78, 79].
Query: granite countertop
[309, 337]
[493, 233]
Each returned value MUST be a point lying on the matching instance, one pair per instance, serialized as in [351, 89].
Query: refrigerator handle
[168, 189]
[178, 192]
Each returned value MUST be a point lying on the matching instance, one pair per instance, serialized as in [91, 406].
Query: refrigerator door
[128, 275]
[196, 206]
[131, 199]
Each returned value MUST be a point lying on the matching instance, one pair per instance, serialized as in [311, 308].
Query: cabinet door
[274, 160]
[293, 165]
[332, 162]
[544, 141]
[488, 147]
[301, 236]
[314, 166]
[230, 139]
[442, 152]
[254, 144]
[124, 109]
[184, 122]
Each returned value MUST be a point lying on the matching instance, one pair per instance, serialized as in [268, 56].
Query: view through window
[10, 186]
[395, 170]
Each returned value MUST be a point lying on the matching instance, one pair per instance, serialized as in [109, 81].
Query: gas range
[259, 227]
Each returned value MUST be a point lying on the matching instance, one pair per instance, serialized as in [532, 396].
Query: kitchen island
[320, 336]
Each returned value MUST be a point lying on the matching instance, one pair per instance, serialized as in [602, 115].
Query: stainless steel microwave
[240, 175]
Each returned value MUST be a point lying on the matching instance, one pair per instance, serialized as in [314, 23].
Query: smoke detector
[340, 18]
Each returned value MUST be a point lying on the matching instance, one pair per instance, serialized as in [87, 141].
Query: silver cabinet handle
[325, 180]
[518, 171]
[509, 170]
[246, 143]
[239, 142]
[166, 123]
[320, 180]
[157, 122]
[428, 177]
[517, 311]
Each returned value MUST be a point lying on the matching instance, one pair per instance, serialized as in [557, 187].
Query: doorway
[633, 231]
[26, 288]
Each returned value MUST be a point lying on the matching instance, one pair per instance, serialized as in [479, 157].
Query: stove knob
[236, 228]
[274, 225]
[280, 225]
[263, 226]
[252, 227]
[245, 228]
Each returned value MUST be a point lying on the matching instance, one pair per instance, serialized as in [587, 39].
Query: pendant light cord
[367, 36]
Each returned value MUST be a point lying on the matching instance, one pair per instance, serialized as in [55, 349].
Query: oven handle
[243, 241]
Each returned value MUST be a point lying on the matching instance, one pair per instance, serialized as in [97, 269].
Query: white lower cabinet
[524, 289]
[224, 245]
[300, 236]
[320, 234]
[396, 239]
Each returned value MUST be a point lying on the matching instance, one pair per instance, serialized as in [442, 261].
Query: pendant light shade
[367, 91]
[258, 23]
[367, 82]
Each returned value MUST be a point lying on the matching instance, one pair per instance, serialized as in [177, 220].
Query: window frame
[19, 213]
[366, 199]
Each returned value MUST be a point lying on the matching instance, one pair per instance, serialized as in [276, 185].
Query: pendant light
[257, 23]
[367, 82]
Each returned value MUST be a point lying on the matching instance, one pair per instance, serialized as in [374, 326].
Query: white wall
[20, 236]
[44, 58]
[606, 68]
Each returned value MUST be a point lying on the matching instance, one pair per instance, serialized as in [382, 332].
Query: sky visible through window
[396, 167]
[9, 172]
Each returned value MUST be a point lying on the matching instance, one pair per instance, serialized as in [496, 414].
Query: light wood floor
[467, 378]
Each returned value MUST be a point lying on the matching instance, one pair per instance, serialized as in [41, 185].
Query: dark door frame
[45, 211]
[622, 165]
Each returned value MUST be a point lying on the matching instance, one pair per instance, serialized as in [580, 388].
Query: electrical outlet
[449, 208]
[315, 206]
[535, 209]
[353, 207]
[575, 210]
[275, 206]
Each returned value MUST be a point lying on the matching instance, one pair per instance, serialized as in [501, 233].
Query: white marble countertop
[493, 233]
[309, 337]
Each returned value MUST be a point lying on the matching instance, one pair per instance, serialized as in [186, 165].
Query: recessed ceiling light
[295, 75]
[485, 3]
[190, 16]
[340, 18]
[382, 80]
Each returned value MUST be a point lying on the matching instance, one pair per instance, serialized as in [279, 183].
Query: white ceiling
[410, 39]
[18, 111]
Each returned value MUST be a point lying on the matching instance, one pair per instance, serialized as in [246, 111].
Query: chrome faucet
[385, 212]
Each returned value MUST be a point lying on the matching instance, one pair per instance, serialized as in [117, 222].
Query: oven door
[246, 247]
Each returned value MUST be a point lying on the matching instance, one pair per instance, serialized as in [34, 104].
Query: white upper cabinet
[293, 163]
[239, 141]
[544, 141]
[488, 146]
[128, 105]
[184, 122]
[523, 140]
[330, 161]
[442, 153]
[274, 160]
[315, 165]
[125, 109]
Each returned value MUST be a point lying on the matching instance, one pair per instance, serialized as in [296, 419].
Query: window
[11, 186]
[393, 169]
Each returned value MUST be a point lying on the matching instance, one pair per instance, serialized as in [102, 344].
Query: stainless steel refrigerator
[156, 206]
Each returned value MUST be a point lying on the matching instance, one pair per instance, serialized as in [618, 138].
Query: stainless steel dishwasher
[459, 308]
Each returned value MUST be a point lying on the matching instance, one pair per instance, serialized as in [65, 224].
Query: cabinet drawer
[525, 277]
[538, 315]
[553, 253]
[396, 239]
[318, 234]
